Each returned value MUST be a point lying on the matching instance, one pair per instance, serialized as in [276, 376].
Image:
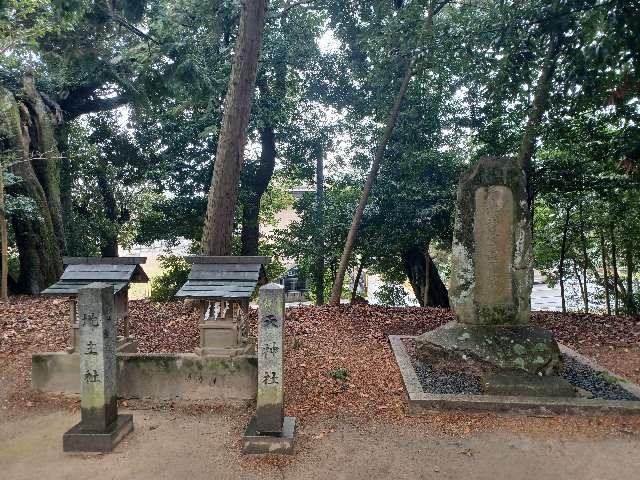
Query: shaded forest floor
[320, 340]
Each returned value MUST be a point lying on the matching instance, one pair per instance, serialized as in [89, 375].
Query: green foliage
[340, 373]
[392, 295]
[607, 377]
[174, 274]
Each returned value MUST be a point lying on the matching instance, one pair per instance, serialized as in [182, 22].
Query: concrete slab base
[420, 401]
[76, 440]
[159, 376]
[254, 443]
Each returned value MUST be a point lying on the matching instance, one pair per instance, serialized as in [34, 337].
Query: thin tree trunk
[373, 172]
[605, 272]
[631, 307]
[427, 298]
[563, 250]
[218, 227]
[582, 286]
[539, 106]
[433, 9]
[585, 261]
[66, 195]
[319, 266]
[4, 259]
[109, 236]
[614, 264]
[354, 291]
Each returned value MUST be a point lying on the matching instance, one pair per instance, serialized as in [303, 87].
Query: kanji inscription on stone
[270, 398]
[98, 394]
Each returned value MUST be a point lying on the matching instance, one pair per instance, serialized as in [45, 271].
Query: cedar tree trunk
[218, 227]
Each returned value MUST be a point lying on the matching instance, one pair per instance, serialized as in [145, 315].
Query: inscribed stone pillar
[98, 389]
[492, 263]
[100, 428]
[270, 399]
[492, 277]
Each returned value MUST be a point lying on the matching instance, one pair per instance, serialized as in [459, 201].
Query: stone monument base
[523, 348]
[78, 440]
[527, 386]
[255, 443]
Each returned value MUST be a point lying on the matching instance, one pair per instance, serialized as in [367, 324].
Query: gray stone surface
[98, 383]
[160, 376]
[256, 443]
[100, 428]
[491, 262]
[77, 440]
[524, 348]
[492, 276]
[528, 386]
[270, 398]
[420, 402]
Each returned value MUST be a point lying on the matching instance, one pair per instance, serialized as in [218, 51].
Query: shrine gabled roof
[222, 278]
[81, 271]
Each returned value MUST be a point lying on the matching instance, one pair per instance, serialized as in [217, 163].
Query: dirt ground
[170, 445]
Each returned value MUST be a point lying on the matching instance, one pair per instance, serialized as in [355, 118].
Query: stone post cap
[96, 286]
[272, 286]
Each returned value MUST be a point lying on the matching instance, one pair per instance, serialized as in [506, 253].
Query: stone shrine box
[118, 272]
[225, 284]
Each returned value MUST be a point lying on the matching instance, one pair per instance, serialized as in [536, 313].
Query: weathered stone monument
[269, 431]
[100, 428]
[492, 278]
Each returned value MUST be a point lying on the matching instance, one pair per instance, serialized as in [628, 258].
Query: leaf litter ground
[339, 364]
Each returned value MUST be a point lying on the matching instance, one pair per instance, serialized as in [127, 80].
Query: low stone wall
[159, 376]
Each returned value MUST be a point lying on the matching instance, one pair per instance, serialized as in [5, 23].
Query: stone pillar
[492, 277]
[270, 399]
[100, 428]
[270, 431]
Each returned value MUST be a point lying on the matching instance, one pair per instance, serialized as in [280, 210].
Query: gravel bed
[440, 381]
[437, 381]
[601, 386]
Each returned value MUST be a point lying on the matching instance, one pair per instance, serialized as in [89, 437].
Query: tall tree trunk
[109, 236]
[44, 153]
[373, 173]
[630, 301]
[415, 260]
[614, 264]
[356, 281]
[563, 252]
[605, 272]
[585, 262]
[218, 227]
[319, 263]
[257, 183]
[38, 245]
[433, 9]
[539, 105]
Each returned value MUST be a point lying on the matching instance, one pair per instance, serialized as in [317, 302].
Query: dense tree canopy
[112, 112]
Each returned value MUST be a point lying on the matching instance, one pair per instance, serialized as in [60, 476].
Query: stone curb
[421, 402]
